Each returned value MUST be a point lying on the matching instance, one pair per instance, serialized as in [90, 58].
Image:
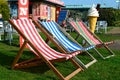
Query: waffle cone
[92, 23]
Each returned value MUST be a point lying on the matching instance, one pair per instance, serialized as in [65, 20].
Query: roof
[53, 2]
[82, 6]
[59, 2]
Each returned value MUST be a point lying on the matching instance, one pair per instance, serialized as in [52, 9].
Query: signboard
[23, 10]
[23, 13]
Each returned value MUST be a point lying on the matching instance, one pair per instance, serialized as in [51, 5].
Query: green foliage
[117, 23]
[4, 9]
[112, 16]
[75, 14]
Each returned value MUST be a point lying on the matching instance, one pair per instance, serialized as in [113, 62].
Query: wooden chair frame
[42, 59]
[62, 48]
[96, 37]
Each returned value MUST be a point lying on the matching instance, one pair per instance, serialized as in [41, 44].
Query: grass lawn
[102, 70]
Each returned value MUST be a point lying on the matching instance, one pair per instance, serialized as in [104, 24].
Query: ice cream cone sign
[93, 15]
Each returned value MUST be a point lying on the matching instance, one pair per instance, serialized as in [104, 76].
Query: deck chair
[91, 38]
[43, 52]
[68, 45]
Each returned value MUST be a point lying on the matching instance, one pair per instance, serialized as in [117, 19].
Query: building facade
[44, 9]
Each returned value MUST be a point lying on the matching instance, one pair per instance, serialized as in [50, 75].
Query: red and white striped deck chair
[37, 45]
[90, 37]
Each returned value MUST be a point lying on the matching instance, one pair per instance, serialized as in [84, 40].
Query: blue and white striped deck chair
[69, 45]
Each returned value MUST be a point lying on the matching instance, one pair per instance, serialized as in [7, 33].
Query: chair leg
[60, 75]
[92, 58]
[19, 54]
[85, 66]
[112, 54]
[0, 37]
[29, 63]
[99, 53]
[55, 70]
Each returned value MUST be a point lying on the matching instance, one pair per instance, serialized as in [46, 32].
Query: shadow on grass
[6, 61]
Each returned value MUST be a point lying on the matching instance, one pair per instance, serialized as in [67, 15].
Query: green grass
[102, 70]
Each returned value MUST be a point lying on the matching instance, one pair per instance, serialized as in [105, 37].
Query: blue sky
[108, 3]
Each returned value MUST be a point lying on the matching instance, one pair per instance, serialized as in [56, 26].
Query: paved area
[116, 45]
[115, 31]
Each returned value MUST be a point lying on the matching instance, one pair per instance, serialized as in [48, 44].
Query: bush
[117, 23]
[4, 9]
[112, 16]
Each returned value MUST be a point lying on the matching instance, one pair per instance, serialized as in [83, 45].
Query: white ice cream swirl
[93, 12]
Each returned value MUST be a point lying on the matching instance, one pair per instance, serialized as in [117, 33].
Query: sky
[107, 3]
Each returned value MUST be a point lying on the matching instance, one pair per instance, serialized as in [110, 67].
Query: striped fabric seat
[29, 30]
[44, 53]
[67, 43]
[80, 27]
[90, 37]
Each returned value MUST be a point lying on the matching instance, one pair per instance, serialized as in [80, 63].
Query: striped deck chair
[68, 45]
[91, 38]
[43, 52]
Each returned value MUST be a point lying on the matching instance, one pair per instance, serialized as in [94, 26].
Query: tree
[4, 9]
